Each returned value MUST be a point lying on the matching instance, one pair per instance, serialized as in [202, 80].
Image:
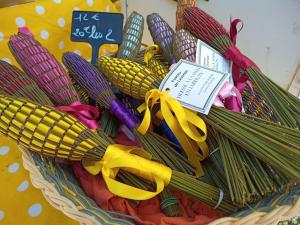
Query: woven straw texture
[116, 69]
[48, 131]
[162, 35]
[78, 67]
[43, 67]
[184, 46]
[16, 82]
[157, 68]
[132, 36]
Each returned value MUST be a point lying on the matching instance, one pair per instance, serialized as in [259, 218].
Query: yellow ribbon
[150, 52]
[183, 122]
[133, 160]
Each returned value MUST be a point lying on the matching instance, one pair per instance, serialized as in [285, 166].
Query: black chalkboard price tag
[97, 28]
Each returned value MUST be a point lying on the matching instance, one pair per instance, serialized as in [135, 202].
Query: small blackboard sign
[97, 28]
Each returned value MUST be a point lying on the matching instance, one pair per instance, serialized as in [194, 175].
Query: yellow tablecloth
[50, 22]
[20, 202]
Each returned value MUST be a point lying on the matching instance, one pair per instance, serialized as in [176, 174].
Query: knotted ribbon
[124, 115]
[85, 113]
[184, 123]
[150, 52]
[133, 160]
[240, 61]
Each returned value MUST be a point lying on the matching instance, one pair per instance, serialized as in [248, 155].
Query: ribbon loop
[119, 157]
[86, 113]
[189, 129]
[233, 29]
[240, 61]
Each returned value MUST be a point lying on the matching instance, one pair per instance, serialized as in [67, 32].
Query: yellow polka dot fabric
[20, 202]
[50, 22]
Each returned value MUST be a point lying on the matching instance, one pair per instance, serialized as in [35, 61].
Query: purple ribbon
[125, 116]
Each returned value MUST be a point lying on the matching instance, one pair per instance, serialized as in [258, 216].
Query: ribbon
[184, 124]
[126, 117]
[86, 113]
[150, 52]
[229, 97]
[240, 61]
[134, 160]
[25, 30]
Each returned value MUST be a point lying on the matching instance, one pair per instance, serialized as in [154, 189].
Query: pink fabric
[229, 97]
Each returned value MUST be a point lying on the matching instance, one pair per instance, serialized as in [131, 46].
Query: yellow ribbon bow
[150, 52]
[133, 160]
[184, 123]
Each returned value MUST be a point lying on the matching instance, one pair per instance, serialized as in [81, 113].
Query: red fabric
[148, 212]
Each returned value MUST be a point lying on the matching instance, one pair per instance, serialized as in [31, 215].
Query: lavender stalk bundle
[95, 84]
[259, 137]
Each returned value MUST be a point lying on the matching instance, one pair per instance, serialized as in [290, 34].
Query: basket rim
[280, 213]
[50, 193]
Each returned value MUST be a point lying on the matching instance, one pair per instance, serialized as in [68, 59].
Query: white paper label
[194, 86]
[208, 57]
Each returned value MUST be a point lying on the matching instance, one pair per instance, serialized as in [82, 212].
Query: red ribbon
[86, 113]
[240, 61]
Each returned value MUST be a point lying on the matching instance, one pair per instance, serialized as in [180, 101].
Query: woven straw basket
[62, 190]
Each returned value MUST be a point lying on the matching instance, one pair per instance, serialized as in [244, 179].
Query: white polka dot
[57, 1]
[61, 22]
[20, 22]
[4, 150]
[40, 10]
[76, 9]
[90, 2]
[13, 167]
[7, 60]
[1, 36]
[77, 52]
[35, 210]
[1, 215]
[23, 186]
[44, 34]
[107, 8]
[61, 44]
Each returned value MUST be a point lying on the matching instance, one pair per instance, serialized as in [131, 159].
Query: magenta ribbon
[85, 113]
[229, 97]
[240, 61]
[25, 30]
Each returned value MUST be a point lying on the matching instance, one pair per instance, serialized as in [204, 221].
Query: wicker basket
[62, 190]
